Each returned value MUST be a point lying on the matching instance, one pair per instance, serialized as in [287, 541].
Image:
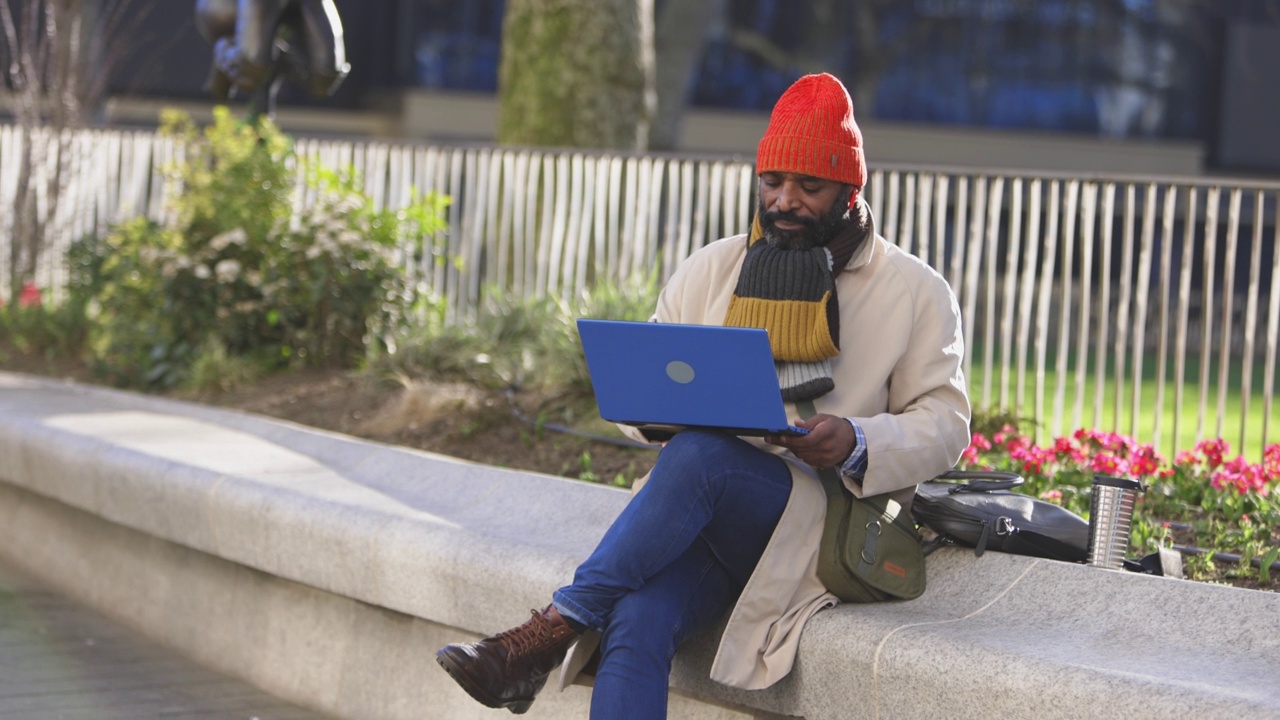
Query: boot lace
[533, 635]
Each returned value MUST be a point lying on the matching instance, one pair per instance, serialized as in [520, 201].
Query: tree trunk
[577, 73]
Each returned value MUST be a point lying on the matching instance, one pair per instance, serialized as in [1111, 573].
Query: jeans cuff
[575, 612]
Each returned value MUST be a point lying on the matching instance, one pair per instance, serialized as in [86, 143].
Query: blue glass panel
[1130, 68]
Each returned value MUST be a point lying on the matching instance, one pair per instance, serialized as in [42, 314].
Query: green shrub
[214, 370]
[44, 330]
[515, 342]
[234, 268]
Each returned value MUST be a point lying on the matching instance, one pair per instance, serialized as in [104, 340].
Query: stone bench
[327, 570]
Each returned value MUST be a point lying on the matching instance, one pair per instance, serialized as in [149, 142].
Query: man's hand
[829, 443]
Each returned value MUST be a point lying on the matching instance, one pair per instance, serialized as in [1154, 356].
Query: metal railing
[1081, 295]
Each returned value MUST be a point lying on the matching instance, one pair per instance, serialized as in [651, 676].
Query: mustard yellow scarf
[792, 294]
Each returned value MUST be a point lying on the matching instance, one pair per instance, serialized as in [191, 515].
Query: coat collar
[869, 248]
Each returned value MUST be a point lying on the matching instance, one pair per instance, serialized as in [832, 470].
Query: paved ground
[61, 661]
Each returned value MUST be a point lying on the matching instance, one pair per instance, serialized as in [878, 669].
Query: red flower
[1271, 462]
[1145, 461]
[1213, 451]
[30, 296]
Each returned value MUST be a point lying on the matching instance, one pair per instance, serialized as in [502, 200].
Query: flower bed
[1220, 512]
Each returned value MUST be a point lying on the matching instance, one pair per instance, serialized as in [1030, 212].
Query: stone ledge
[459, 545]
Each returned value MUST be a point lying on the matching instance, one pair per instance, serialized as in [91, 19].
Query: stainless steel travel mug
[1111, 520]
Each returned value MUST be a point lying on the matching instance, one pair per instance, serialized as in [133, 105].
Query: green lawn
[1243, 431]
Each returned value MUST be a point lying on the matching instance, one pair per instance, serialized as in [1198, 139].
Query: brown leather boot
[508, 669]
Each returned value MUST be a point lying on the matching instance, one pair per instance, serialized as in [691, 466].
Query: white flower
[231, 237]
[227, 270]
[349, 204]
[202, 272]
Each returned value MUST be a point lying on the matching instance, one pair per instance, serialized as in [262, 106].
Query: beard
[815, 232]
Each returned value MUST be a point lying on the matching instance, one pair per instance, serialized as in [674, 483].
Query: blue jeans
[673, 562]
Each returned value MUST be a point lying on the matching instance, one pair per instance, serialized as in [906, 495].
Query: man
[866, 332]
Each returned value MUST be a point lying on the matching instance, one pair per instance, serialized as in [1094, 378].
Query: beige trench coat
[899, 374]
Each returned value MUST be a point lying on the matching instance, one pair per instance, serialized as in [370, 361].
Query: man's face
[798, 212]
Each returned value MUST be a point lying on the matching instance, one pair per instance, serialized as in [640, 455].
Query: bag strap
[836, 493]
[830, 480]
[980, 480]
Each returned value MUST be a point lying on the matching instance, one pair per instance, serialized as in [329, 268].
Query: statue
[259, 43]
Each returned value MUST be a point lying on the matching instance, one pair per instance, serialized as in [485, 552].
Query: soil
[495, 428]
[520, 430]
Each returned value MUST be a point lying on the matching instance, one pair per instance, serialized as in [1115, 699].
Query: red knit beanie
[812, 132]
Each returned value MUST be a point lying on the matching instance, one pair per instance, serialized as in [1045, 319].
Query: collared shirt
[856, 465]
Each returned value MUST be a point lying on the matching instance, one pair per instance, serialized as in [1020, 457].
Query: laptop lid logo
[680, 371]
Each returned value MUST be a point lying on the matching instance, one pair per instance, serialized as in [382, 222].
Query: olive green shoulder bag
[870, 549]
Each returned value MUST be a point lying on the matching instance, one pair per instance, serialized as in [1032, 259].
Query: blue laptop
[664, 376]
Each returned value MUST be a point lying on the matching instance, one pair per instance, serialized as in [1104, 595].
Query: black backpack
[975, 509]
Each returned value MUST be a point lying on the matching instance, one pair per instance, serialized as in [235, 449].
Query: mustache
[772, 217]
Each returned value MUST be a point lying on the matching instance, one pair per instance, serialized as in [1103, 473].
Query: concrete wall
[327, 570]
[453, 117]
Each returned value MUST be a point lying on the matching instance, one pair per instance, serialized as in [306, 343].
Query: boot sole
[477, 693]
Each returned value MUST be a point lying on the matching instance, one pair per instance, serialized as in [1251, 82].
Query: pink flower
[1053, 496]
[1031, 457]
[1271, 462]
[1241, 476]
[1114, 442]
[980, 441]
[1107, 464]
[1007, 434]
[30, 296]
[1018, 442]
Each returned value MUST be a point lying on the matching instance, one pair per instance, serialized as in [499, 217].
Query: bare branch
[10, 55]
[113, 22]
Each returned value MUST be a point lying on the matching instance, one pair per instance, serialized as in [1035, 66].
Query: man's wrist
[855, 466]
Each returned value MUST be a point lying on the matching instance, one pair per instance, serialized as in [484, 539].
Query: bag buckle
[873, 532]
[1004, 526]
